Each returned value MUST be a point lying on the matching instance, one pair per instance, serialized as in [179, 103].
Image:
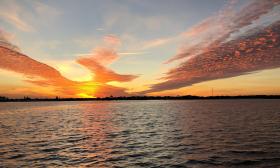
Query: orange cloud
[102, 57]
[101, 73]
[35, 72]
[41, 74]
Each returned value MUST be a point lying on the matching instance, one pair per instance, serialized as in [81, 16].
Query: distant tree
[2, 98]
[26, 98]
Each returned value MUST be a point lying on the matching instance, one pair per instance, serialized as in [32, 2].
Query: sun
[87, 90]
[84, 95]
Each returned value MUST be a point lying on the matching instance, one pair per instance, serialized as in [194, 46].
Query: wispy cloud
[5, 40]
[215, 54]
[156, 43]
[131, 53]
[11, 12]
[218, 28]
[100, 29]
[22, 14]
[111, 40]
[44, 10]
[237, 57]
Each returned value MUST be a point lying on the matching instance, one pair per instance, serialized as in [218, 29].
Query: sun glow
[87, 90]
[84, 95]
[73, 71]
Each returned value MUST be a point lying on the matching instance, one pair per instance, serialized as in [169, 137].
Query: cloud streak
[11, 12]
[17, 14]
[258, 51]
[35, 72]
[216, 30]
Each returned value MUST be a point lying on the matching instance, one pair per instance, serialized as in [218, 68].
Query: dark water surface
[156, 133]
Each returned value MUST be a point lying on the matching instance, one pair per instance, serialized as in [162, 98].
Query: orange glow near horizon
[87, 90]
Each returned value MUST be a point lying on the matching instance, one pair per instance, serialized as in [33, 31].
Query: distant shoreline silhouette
[186, 97]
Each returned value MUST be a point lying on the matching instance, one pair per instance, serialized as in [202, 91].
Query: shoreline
[188, 97]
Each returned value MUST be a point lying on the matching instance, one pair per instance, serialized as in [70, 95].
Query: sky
[98, 48]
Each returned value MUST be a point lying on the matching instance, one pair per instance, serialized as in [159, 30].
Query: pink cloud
[257, 51]
[104, 56]
[216, 29]
[112, 40]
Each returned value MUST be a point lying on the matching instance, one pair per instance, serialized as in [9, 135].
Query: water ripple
[212, 133]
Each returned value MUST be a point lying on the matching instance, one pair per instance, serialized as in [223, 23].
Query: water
[156, 133]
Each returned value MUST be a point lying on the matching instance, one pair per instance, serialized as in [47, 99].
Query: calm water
[184, 133]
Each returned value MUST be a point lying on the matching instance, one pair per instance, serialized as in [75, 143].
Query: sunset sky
[97, 48]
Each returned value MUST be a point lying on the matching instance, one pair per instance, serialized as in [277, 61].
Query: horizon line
[184, 97]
